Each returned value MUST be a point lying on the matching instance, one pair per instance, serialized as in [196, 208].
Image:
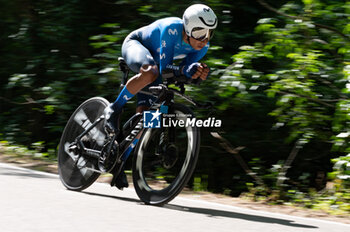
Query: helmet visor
[201, 34]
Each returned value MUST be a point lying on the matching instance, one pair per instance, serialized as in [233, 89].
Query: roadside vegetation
[279, 81]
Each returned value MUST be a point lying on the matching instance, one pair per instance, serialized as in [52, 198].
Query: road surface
[37, 201]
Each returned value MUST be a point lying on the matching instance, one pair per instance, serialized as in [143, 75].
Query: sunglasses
[201, 34]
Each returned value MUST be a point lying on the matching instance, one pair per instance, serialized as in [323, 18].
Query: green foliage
[341, 172]
[36, 150]
[282, 85]
[303, 67]
[338, 197]
[303, 73]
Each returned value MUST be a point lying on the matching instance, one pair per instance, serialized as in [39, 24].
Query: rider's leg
[139, 60]
[122, 182]
[147, 75]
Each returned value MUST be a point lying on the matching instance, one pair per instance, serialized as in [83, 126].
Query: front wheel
[75, 170]
[165, 158]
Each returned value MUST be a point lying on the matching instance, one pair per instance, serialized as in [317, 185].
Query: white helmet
[199, 21]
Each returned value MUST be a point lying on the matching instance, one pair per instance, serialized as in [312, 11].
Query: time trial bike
[164, 158]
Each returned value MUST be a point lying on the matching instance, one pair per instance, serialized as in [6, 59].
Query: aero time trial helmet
[199, 21]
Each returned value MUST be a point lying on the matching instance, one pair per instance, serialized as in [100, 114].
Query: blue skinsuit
[158, 43]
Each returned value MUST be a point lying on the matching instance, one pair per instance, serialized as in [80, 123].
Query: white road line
[28, 170]
[239, 209]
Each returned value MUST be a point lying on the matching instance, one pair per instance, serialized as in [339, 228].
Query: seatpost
[125, 77]
[125, 69]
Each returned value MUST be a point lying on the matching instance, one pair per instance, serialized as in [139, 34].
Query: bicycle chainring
[108, 160]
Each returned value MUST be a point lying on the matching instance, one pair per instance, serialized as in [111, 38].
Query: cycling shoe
[111, 122]
[121, 181]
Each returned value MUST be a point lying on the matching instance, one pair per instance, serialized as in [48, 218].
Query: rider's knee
[149, 73]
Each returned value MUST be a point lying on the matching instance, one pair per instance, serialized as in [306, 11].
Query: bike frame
[165, 96]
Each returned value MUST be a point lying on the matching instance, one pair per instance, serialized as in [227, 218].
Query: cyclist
[149, 50]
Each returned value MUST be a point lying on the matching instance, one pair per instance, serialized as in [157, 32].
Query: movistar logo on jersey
[173, 32]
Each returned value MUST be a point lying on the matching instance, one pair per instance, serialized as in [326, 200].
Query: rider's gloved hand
[196, 70]
[190, 70]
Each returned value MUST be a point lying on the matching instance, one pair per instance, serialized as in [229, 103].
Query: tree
[302, 64]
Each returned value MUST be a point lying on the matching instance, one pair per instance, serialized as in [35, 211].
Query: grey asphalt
[37, 201]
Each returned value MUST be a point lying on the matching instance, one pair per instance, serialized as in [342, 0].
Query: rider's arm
[190, 61]
[167, 39]
[195, 56]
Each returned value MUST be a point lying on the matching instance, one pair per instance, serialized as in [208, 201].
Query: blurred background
[280, 73]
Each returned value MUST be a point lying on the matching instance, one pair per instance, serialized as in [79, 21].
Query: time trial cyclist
[149, 50]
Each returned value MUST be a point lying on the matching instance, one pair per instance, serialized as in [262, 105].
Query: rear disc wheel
[74, 169]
